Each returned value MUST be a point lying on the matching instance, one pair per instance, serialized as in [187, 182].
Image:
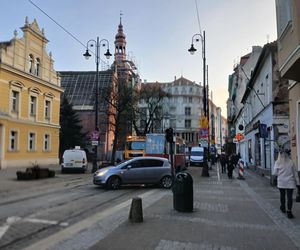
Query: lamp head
[108, 54]
[87, 55]
[192, 50]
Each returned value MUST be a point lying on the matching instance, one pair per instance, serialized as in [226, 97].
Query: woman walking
[287, 180]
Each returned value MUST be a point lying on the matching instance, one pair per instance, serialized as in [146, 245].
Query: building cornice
[26, 75]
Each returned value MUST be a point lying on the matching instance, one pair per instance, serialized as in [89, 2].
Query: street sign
[94, 143]
[95, 135]
[203, 133]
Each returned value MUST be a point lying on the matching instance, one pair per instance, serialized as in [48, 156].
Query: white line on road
[67, 233]
[3, 230]
[13, 219]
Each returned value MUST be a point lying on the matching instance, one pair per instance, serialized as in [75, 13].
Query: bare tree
[119, 100]
[149, 113]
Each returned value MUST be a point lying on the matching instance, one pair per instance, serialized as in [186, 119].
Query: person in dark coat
[230, 166]
[223, 163]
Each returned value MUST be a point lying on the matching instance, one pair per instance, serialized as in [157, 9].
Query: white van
[197, 156]
[74, 159]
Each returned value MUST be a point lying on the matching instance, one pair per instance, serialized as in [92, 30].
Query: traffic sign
[203, 133]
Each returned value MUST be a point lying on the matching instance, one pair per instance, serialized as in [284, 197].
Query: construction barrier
[241, 170]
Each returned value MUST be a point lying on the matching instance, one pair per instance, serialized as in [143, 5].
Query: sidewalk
[228, 214]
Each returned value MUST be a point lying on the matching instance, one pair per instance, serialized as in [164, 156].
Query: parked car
[197, 156]
[74, 159]
[139, 170]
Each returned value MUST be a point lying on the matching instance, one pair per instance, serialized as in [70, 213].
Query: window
[14, 101]
[190, 99]
[47, 142]
[187, 123]
[32, 107]
[47, 109]
[152, 163]
[31, 64]
[185, 99]
[187, 111]
[38, 66]
[31, 141]
[13, 137]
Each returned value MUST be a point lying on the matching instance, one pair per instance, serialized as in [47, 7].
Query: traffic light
[169, 135]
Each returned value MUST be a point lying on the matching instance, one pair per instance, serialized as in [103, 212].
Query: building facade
[29, 101]
[237, 85]
[266, 112]
[288, 32]
[182, 110]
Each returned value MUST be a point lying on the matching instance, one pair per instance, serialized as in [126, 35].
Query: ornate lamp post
[87, 55]
[196, 38]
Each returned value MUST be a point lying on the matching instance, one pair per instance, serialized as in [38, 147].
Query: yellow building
[29, 101]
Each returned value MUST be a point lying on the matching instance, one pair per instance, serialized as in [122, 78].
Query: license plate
[69, 164]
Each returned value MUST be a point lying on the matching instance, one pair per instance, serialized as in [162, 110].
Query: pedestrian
[223, 163]
[230, 166]
[287, 180]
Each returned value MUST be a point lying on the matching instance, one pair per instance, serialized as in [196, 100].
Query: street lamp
[196, 38]
[87, 55]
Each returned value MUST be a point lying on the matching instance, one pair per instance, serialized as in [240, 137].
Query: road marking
[13, 219]
[3, 230]
[50, 222]
[65, 234]
[6, 226]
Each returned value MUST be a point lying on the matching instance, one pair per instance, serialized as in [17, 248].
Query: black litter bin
[183, 192]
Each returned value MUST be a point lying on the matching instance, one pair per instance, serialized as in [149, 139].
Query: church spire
[120, 43]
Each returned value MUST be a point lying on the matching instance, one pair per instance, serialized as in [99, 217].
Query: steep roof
[80, 86]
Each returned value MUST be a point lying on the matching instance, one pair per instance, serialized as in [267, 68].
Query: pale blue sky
[158, 33]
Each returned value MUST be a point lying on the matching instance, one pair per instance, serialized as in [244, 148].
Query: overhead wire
[63, 28]
[198, 18]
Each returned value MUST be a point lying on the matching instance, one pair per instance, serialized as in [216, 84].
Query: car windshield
[136, 145]
[197, 153]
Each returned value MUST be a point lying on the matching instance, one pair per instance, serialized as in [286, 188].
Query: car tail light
[83, 160]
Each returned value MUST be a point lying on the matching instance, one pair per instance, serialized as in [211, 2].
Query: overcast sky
[158, 33]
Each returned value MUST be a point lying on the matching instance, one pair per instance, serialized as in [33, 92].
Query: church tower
[120, 45]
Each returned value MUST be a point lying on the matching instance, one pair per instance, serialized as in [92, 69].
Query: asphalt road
[33, 210]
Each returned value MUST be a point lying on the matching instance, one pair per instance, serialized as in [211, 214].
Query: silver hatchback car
[139, 170]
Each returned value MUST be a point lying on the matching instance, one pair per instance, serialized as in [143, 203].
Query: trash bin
[183, 192]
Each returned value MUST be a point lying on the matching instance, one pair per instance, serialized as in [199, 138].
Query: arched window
[31, 64]
[38, 66]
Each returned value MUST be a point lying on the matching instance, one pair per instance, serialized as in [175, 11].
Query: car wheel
[166, 182]
[113, 182]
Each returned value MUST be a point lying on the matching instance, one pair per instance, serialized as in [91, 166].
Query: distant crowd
[228, 163]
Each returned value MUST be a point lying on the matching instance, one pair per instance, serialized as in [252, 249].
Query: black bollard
[136, 210]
